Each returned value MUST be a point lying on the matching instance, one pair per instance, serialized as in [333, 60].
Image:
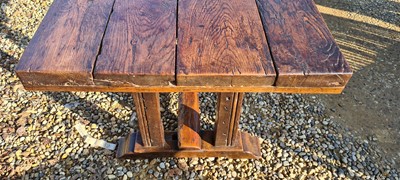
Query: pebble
[280, 175]
[341, 173]
[234, 174]
[162, 165]
[129, 174]
[278, 165]
[286, 163]
[111, 176]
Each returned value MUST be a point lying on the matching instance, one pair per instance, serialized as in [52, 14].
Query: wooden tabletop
[185, 45]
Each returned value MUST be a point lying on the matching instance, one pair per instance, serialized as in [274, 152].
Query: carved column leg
[151, 135]
[228, 115]
[149, 118]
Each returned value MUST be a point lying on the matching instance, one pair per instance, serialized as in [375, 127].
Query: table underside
[184, 46]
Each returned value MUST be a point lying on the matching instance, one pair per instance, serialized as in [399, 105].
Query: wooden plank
[139, 45]
[64, 49]
[303, 49]
[189, 121]
[228, 115]
[272, 89]
[222, 43]
[149, 118]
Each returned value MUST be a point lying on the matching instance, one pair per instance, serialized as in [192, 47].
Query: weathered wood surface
[149, 118]
[222, 43]
[228, 115]
[303, 49]
[139, 45]
[189, 121]
[63, 51]
[221, 47]
[274, 89]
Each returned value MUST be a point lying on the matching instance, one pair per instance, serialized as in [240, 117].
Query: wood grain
[273, 89]
[149, 118]
[228, 115]
[303, 49]
[63, 50]
[222, 43]
[189, 121]
[139, 45]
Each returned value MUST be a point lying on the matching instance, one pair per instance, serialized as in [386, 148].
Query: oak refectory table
[150, 46]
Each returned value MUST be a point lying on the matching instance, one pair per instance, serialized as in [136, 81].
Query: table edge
[166, 89]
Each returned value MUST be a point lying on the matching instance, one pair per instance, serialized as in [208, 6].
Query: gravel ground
[369, 106]
[299, 139]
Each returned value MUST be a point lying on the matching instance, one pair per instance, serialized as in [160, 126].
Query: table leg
[225, 141]
[149, 118]
[228, 115]
[189, 121]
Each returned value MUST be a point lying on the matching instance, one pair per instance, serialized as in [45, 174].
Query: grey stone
[162, 165]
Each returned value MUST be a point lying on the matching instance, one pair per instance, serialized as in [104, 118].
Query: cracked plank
[304, 51]
[139, 45]
[64, 48]
[222, 43]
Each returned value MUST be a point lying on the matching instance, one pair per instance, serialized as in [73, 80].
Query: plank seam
[267, 40]
[102, 40]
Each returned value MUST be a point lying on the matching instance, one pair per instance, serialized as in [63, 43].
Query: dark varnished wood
[230, 49]
[63, 51]
[228, 115]
[189, 141]
[139, 45]
[304, 51]
[222, 43]
[131, 147]
[189, 121]
[149, 118]
[273, 89]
